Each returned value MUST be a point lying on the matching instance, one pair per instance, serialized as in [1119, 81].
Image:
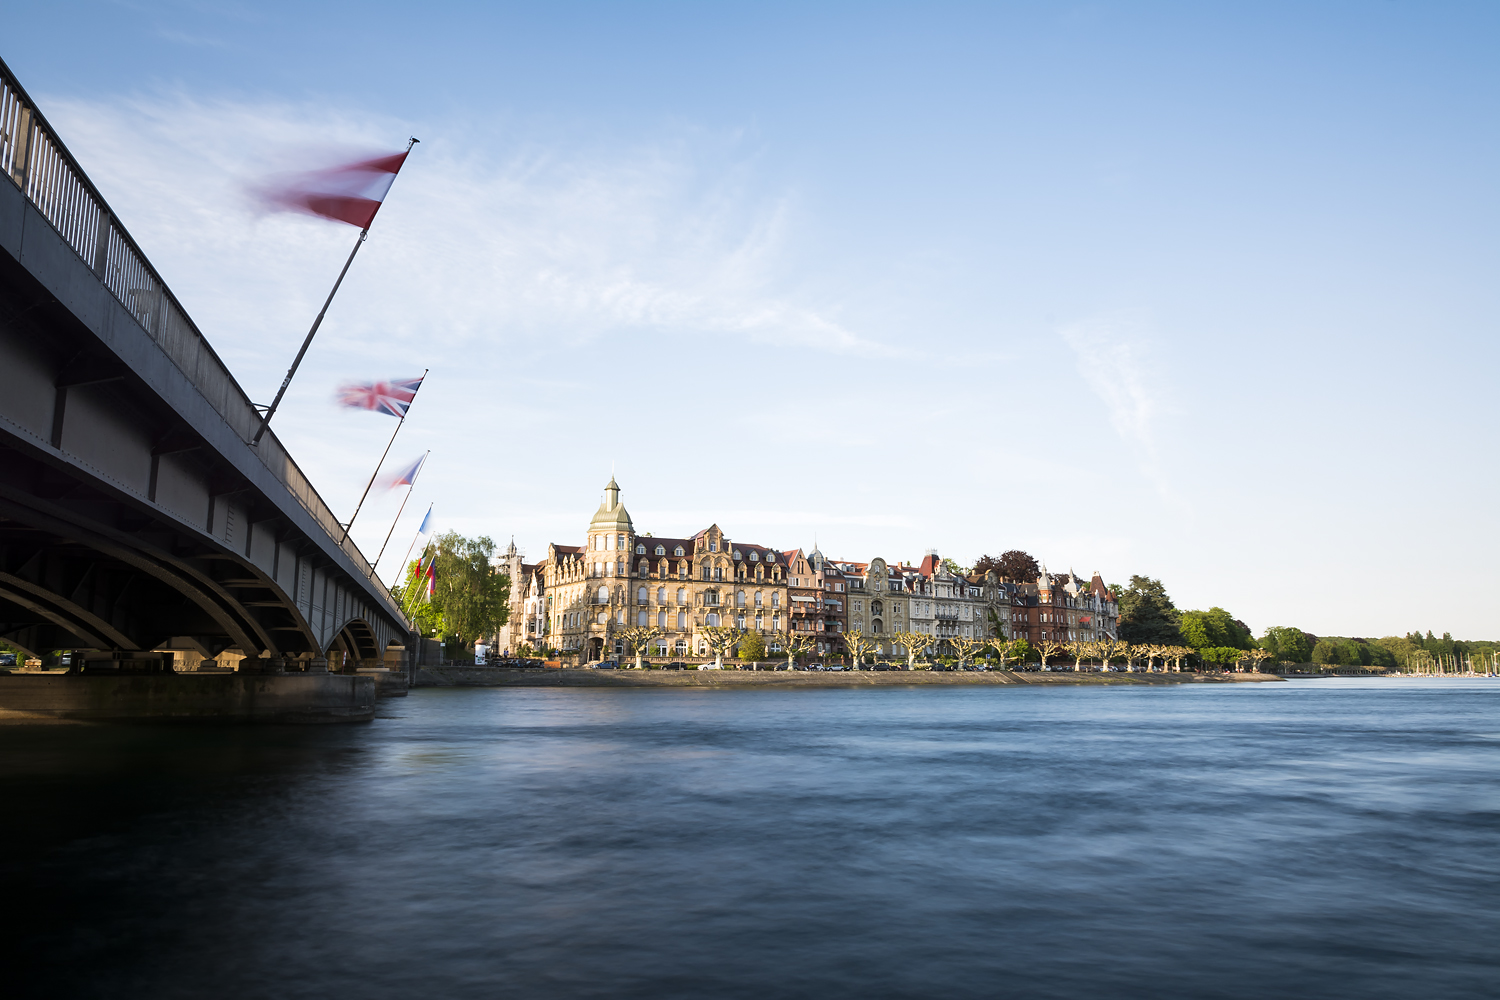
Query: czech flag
[349, 193]
[407, 477]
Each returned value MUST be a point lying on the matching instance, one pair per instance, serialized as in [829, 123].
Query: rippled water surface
[1329, 838]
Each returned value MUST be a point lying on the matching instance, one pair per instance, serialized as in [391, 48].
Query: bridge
[134, 514]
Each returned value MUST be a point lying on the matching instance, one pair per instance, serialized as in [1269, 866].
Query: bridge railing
[35, 159]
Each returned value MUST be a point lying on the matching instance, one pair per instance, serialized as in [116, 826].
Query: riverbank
[582, 677]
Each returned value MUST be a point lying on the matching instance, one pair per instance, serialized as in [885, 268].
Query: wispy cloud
[1112, 354]
[488, 236]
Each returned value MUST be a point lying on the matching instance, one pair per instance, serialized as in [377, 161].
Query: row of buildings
[580, 598]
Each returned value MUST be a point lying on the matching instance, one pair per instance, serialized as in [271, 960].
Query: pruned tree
[719, 639]
[1049, 647]
[1259, 656]
[793, 645]
[914, 643]
[640, 637]
[1001, 646]
[967, 649]
[859, 645]
[1081, 651]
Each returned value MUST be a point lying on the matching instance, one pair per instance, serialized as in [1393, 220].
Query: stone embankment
[217, 697]
[573, 677]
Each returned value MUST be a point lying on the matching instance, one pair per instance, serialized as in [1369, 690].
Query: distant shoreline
[583, 677]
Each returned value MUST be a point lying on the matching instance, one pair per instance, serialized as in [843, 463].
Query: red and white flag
[350, 193]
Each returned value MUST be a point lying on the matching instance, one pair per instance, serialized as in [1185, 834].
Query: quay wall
[187, 697]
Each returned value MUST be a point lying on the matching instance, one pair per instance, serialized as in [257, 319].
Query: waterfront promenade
[584, 677]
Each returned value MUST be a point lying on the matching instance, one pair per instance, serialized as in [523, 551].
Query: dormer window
[754, 557]
[677, 551]
[737, 554]
[640, 550]
[661, 550]
[770, 557]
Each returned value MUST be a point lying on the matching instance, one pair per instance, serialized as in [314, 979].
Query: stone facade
[580, 597]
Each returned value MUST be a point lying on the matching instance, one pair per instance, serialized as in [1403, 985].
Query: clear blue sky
[1205, 292]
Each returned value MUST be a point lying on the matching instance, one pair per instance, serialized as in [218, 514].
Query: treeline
[1147, 615]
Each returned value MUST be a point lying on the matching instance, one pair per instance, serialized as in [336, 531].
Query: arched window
[661, 595]
[602, 596]
[702, 648]
[713, 619]
[775, 598]
[759, 599]
[640, 618]
[681, 595]
[603, 619]
[644, 569]
[760, 572]
[640, 596]
[661, 619]
[876, 607]
[718, 572]
[681, 620]
[739, 599]
[620, 567]
[875, 626]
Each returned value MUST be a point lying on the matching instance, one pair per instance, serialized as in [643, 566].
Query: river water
[1324, 838]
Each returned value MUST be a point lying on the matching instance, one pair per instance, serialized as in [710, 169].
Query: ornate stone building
[1064, 609]
[580, 598]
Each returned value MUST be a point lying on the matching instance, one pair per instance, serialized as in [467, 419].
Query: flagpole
[387, 451]
[399, 510]
[420, 577]
[417, 535]
[307, 341]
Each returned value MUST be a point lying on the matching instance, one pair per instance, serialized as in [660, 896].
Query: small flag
[406, 476]
[426, 522]
[432, 576]
[393, 397]
[350, 193]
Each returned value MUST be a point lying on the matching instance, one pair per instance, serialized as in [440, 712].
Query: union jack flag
[393, 397]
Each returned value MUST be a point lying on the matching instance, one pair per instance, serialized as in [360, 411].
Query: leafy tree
[1325, 652]
[1015, 566]
[1287, 644]
[1147, 614]
[472, 597]
[752, 647]
[1214, 627]
[1023, 651]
